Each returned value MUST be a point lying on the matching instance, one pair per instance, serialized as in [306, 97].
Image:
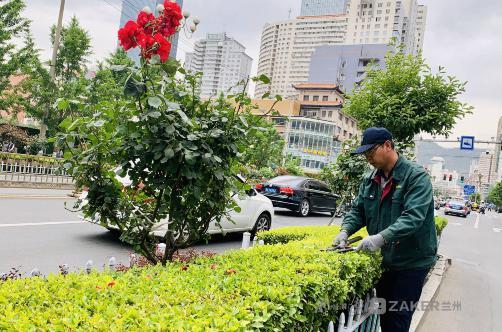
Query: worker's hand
[340, 240]
[371, 243]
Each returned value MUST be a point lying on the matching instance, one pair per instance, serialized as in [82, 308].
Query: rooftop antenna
[289, 15]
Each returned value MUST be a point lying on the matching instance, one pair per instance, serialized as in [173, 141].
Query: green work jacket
[403, 213]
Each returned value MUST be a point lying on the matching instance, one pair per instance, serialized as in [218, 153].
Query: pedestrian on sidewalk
[395, 203]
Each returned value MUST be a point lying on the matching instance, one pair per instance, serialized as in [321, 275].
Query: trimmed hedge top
[290, 286]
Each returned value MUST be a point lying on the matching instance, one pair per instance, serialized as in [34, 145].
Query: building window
[323, 114]
[324, 98]
[315, 98]
[340, 117]
[305, 98]
[345, 133]
[330, 114]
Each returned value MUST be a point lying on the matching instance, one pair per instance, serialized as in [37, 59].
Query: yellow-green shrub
[291, 286]
[441, 223]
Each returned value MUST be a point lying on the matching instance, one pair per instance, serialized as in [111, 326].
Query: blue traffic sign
[467, 143]
[469, 189]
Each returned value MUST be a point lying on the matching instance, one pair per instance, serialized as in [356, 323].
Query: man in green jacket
[396, 205]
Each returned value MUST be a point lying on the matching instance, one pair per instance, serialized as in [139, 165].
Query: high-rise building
[286, 48]
[381, 21]
[420, 22]
[322, 7]
[223, 63]
[130, 11]
[345, 65]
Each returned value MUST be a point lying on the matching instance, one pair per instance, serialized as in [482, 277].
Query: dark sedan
[299, 194]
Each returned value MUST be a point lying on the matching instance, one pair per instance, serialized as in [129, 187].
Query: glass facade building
[313, 141]
[130, 11]
[322, 7]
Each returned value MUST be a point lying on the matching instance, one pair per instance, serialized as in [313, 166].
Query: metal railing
[33, 172]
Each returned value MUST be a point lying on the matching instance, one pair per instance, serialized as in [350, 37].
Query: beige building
[287, 46]
[313, 125]
[379, 21]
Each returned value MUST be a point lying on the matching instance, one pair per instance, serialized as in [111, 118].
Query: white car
[257, 213]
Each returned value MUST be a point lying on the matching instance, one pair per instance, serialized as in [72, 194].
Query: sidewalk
[27, 192]
[476, 309]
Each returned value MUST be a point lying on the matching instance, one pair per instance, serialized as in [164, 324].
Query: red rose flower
[146, 21]
[129, 35]
[184, 267]
[163, 47]
[111, 284]
[171, 18]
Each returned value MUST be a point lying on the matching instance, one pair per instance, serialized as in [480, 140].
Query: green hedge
[441, 223]
[292, 286]
[27, 157]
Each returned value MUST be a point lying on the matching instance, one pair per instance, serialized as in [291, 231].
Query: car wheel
[304, 209]
[263, 223]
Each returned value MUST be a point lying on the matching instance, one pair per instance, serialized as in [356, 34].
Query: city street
[474, 244]
[37, 231]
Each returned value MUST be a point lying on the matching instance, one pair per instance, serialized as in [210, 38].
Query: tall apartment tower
[287, 46]
[130, 11]
[322, 7]
[380, 21]
[498, 150]
[223, 63]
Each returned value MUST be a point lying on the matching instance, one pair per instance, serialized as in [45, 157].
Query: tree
[181, 153]
[495, 195]
[13, 26]
[346, 174]
[407, 98]
[64, 96]
[265, 146]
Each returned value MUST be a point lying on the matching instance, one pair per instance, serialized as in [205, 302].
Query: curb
[430, 288]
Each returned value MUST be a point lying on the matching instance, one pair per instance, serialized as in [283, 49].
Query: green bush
[292, 286]
[441, 223]
[28, 158]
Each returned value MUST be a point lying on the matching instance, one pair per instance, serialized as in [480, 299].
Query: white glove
[340, 240]
[371, 243]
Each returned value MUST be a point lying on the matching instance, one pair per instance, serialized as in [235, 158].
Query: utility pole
[55, 47]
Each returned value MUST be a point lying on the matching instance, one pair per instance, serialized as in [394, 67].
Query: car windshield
[287, 180]
[456, 203]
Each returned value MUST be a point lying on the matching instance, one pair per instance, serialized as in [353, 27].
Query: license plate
[270, 190]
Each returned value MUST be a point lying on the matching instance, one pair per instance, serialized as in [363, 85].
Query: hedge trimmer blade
[347, 248]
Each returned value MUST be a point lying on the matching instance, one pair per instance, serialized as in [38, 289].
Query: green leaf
[264, 79]
[65, 124]
[134, 88]
[154, 115]
[243, 120]
[266, 95]
[155, 101]
[169, 153]
[63, 104]
[184, 117]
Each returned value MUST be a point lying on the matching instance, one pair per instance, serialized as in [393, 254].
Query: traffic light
[462, 179]
[444, 177]
[451, 178]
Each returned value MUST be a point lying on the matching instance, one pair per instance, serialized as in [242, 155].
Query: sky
[464, 36]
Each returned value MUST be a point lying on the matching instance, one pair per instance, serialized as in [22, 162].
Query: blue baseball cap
[371, 137]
